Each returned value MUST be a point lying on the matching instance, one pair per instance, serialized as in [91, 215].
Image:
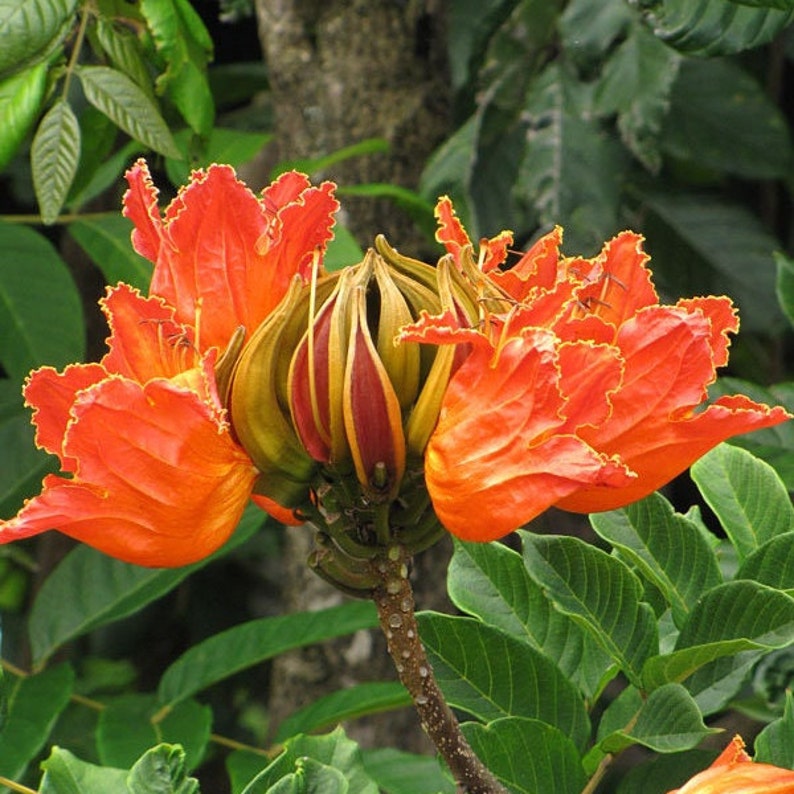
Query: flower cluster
[491, 391]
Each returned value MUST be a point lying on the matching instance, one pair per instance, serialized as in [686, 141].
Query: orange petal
[723, 319]
[538, 268]
[450, 232]
[51, 395]
[159, 481]
[140, 206]
[284, 515]
[743, 779]
[496, 444]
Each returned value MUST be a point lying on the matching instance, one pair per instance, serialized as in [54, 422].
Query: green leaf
[21, 98]
[599, 592]
[64, 773]
[635, 84]
[667, 548]
[106, 173]
[527, 755]
[746, 494]
[312, 165]
[333, 750]
[350, 703]
[783, 5]
[54, 155]
[571, 171]
[739, 619]
[664, 773]
[785, 284]
[27, 27]
[720, 247]
[182, 40]
[721, 118]
[125, 730]
[590, 29]
[161, 770]
[122, 101]
[124, 49]
[107, 241]
[772, 563]
[773, 745]
[669, 721]
[489, 581]
[342, 250]
[34, 703]
[65, 608]
[713, 27]
[41, 316]
[253, 642]
[398, 772]
[22, 471]
[491, 675]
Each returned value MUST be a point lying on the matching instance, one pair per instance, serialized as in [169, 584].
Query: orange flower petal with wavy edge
[538, 268]
[158, 481]
[497, 457]
[210, 264]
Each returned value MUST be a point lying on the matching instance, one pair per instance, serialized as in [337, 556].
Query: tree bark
[342, 71]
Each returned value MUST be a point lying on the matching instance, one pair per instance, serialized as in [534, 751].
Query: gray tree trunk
[342, 71]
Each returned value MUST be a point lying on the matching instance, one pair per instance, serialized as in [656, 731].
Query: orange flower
[733, 772]
[151, 472]
[581, 391]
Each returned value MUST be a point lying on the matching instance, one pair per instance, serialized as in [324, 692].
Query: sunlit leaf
[345, 704]
[28, 26]
[122, 101]
[599, 592]
[107, 241]
[746, 494]
[528, 755]
[35, 703]
[489, 581]
[64, 773]
[65, 608]
[492, 675]
[334, 750]
[54, 155]
[253, 642]
[21, 97]
[42, 317]
[666, 547]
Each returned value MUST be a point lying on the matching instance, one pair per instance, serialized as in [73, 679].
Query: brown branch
[395, 603]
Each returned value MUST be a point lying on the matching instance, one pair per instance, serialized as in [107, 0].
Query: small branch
[395, 603]
[4, 781]
[594, 781]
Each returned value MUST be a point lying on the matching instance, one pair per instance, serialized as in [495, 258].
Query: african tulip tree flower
[153, 474]
[733, 772]
[581, 390]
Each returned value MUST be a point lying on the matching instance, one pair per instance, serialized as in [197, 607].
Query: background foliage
[672, 117]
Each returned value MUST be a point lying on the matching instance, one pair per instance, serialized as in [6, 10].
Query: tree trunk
[342, 71]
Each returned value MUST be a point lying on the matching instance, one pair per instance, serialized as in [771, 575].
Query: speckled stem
[395, 602]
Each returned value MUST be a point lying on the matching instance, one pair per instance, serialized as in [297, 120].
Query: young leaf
[345, 704]
[599, 592]
[107, 241]
[253, 642]
[713, 27]
[527, 755]
[161, 770]
[491, 675]
[65, 608]
[740, 620]
[122, 101]
[489, 581]
[27, 27]
[54, 155]
[667, 722]
[21, 97]
[667, 548]
[746, 494]
[398, 772]
[34, 705]
[64, 773]
[125, 730]
[42, 320]
[334, 751]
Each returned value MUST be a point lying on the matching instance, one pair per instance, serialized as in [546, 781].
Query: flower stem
[395, 603]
